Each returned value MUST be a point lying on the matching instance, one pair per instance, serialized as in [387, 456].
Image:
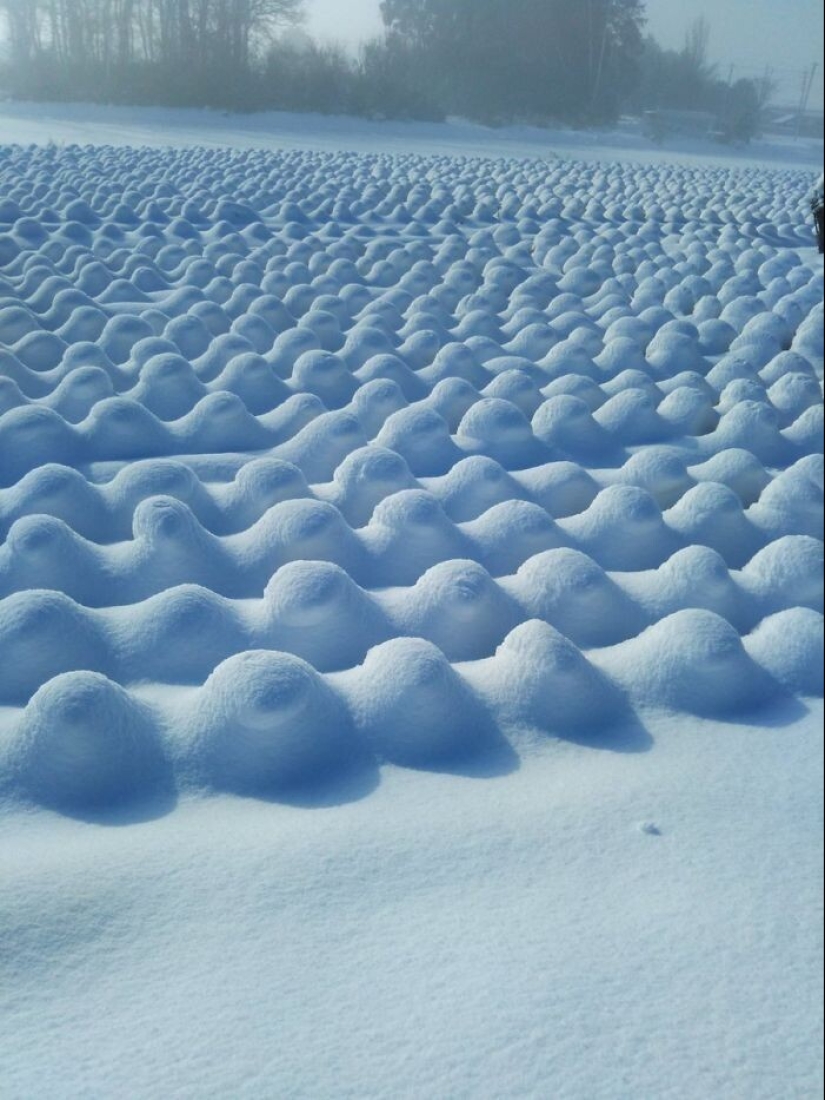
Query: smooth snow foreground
[465, 516]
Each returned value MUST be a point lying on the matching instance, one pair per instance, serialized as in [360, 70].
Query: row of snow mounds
[655, 339]
[300, 430]
[246, 307]
[457, 290]
[316, 611]
[96, 187]
[774, 504]
[508, 313]
[268, 724]
[451, 277]
[534, 320]
[248, 271]
[409, 532]
[516, 409]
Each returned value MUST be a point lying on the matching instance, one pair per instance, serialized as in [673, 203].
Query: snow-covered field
[410, 617]
[64, 123]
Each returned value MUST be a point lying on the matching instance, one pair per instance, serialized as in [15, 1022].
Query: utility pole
[767, 86]
[600, 68]
[807, 84]
[726, 100]
[766, 90]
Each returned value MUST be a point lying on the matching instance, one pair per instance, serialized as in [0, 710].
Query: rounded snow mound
[789, 645]
[458, 606]
[539, 679]
[692, 661]
[414, 709]
[267, 724]
[315, 610]
[85, 747]
[567, 589]
[43, 634]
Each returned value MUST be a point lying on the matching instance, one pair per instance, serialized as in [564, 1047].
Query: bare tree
[23, 21]
[81, 29]
[697, 46]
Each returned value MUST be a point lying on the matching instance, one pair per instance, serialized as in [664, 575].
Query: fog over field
[748, 34]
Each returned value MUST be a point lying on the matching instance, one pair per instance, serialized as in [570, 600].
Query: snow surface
[410, 615]
[23, 123]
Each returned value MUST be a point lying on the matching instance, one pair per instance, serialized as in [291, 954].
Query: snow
[22, 123]
[508, 936]
[410, 611]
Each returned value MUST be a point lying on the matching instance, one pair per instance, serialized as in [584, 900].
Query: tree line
[163, 51]
[496, 61]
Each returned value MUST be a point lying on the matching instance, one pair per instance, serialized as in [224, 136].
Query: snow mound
[789, 645]
[539, 679]
[267, 724]
[414, 709]
[693, 661]
[85, 747]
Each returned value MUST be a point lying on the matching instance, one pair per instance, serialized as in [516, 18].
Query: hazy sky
[785, 34]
